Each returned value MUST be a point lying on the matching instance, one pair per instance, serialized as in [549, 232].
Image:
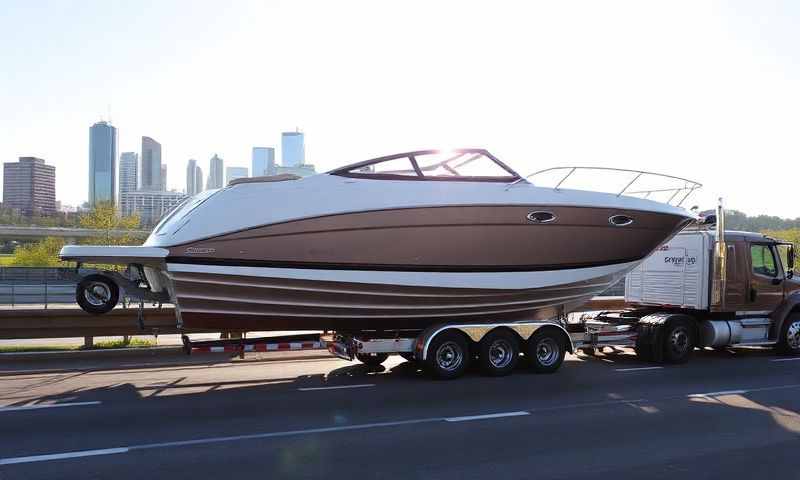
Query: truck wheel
[498, 353]
[97, 294]
[448, 355]
[789, 341]
[545, 351]
[372, 359]
[679, 340]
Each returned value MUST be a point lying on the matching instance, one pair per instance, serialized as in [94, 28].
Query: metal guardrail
[38, 294]
[74, 322]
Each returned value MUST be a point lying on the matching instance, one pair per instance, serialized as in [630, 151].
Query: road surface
[724, 415]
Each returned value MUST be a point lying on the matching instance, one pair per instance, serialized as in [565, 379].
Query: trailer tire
[679, 339]
[789, 340]
[97, 294]
[372, 359]
[546, 350]
[498, 352]
[448, 355]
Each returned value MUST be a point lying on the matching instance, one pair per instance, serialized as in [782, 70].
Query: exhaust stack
[720, 263]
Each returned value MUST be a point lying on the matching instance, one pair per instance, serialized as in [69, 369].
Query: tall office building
[304, 170]
[293, 149]
[164, 177]
[263, 161]
[150, 205]
[128, 172]
[232, 173]
[194, 178]
[150, 173]
[102, 162]
[29, 186]
[216, 172]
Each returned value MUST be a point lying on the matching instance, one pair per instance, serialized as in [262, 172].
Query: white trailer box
[674, 275]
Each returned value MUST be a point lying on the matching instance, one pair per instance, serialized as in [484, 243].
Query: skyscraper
[150, 173]
[151, 205]
[263, 161]
[194, 178]
[293, 149]
[163, 177]
[29, 186]
[128, 172]
[102, 162]
[216, 172]
[232, 173]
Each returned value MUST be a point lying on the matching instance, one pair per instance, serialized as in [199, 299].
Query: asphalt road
[723, 415]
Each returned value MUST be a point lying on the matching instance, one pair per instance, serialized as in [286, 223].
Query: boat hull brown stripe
[459, 239]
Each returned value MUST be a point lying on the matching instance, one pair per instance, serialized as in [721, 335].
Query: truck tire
[448, 355]
[679, 339]
[372, 359]
[498, 352]
[545, 350]
[97, 294]
[789, 340]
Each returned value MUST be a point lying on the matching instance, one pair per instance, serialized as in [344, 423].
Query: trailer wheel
[97, 294]
[448, 355]
[789, 341]
[498, 353]
[372, 359]
[679, 340]
[545, 351]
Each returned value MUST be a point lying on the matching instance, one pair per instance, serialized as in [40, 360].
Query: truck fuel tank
[719, 333]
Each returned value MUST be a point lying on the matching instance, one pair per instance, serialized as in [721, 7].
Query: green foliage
[736, 220]
[104, 217]
[41, 254]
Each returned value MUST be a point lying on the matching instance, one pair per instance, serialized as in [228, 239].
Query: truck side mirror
[790, 261]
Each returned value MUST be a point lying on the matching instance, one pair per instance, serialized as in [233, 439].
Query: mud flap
[650, 338]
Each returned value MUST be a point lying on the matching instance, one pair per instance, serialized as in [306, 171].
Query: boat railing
[678, 192]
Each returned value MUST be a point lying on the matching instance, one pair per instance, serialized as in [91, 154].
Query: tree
[40, 254]
[104, 218]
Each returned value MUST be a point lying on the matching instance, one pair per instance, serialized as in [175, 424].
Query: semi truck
[705, 287]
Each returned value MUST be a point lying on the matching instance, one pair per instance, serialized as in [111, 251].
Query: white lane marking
[785, 359]
[717, 394]
[50, 405]
[335, 387]
[62, 456]
[484, 417]
[636, 369]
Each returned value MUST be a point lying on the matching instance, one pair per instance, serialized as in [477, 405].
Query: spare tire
[97, 294]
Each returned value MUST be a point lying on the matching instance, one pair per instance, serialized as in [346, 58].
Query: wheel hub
[793, 335]
[97, 294]
[547, 352]
[449, 356]
[500, 353]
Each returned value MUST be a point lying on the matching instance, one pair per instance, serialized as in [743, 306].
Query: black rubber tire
[546, 338]
[105, 307]
[454, 342]
[679, 340]
[509, 342]
[372, 359]
[783, 340]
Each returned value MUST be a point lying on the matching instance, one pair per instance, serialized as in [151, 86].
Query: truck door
[766, 279]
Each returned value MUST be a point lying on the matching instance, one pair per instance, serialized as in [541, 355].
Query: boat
[397, 242]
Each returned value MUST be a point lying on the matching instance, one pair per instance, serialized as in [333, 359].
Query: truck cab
[706, 287]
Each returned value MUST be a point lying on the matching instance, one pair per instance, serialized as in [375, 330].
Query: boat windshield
[460, 165]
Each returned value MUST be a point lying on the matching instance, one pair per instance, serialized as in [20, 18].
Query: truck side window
[763, 260]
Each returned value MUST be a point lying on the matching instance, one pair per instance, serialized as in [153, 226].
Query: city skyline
[102, 163]
[546, 84]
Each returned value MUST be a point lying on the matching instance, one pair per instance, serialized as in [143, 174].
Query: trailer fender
[475, 332]
[790, 304]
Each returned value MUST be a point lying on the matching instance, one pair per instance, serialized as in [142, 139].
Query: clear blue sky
[706, 90]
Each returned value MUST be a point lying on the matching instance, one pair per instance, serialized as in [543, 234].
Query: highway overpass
[26, 233]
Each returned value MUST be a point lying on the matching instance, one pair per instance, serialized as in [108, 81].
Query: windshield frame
[347, 171]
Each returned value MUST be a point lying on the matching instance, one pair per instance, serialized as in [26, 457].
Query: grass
[104, 345]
